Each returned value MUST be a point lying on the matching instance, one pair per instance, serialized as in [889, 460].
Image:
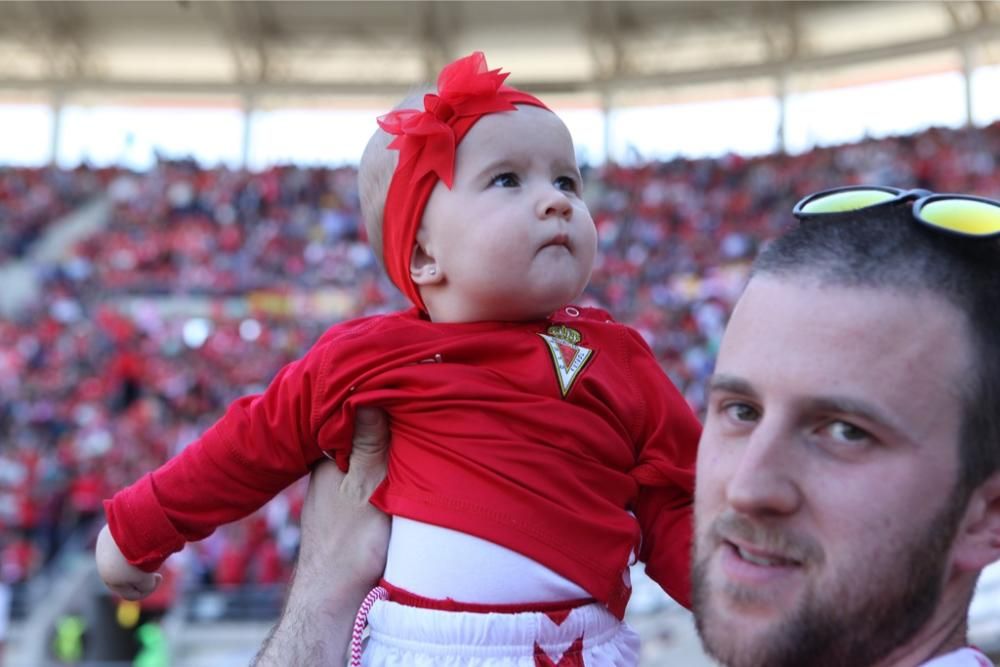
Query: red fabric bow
[427, 141]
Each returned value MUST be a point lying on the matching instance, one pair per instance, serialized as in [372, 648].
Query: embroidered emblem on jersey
[568, 357]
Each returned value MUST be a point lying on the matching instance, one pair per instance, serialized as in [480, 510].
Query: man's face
[824, 506]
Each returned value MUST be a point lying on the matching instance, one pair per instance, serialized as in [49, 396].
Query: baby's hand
[118, 574]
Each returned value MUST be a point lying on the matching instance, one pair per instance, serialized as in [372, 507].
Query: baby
[537, 449]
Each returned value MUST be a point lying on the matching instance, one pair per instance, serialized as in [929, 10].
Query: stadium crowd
[32, 199]
[103, 379]
[183, 230]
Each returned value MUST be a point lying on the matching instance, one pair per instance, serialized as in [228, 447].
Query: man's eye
[847, 433]
[507, 179]
[567, 184]
[741, 412]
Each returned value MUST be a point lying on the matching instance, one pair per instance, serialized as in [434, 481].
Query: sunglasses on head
[963, 215]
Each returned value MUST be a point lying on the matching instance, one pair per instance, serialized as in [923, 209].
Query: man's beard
[870, 611]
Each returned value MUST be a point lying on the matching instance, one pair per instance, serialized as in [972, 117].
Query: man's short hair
[885, 247]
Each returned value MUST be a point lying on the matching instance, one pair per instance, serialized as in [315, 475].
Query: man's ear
[977, 543]
[424, 269]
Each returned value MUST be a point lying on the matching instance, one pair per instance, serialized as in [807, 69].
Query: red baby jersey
[561, 439]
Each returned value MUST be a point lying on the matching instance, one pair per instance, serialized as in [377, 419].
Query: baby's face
[513, 238]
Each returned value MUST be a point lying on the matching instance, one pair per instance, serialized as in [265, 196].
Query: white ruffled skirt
[403, 636]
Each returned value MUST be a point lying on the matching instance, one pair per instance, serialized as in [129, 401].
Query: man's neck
[944, 632]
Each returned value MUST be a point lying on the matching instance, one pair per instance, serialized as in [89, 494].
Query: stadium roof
[288, 49]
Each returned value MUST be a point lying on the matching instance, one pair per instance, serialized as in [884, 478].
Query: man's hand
[119, 575]
[342, 533]
[342, 556]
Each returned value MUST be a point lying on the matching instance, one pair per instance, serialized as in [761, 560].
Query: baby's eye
[507, 179]
[567, 184]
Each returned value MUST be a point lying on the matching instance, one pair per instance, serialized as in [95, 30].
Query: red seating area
[95, 390]
[182, 230]
[31, 199]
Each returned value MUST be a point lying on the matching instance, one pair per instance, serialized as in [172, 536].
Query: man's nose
[554, 203]
[765, 479]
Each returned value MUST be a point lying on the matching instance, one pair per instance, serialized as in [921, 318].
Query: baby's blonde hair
[378, 162]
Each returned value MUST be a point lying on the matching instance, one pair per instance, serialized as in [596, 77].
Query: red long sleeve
[501, 430]
[261, 445]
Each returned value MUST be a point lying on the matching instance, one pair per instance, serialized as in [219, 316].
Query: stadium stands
[203, 283]
[30, 199]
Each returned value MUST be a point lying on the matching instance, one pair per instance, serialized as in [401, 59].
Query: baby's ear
[424, 269]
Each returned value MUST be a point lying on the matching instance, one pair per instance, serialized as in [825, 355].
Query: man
[848, 488]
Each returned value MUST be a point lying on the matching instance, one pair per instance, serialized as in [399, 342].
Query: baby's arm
[665, 516]
[668, 448]
[261, 445]
[121, 577]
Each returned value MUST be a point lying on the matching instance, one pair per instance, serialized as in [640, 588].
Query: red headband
[427, 141]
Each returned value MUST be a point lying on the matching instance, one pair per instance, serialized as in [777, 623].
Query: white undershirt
[963, 657]
[439, 563]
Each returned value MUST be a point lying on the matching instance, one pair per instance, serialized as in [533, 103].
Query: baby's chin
[537, 301]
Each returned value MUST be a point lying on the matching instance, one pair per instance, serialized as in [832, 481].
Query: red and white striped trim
[361, 622]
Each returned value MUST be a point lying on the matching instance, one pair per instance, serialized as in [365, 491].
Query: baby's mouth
[561, 240]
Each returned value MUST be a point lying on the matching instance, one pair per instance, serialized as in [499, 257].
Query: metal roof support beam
[782, 35]
[225, 17]
[818, 62]
[63, 40]
[606, 25]
[985, 10]
[954, 13]
[55, 137]
[781, 92]
[268, 36]
[249, 103]
[607, 106]
[622, 81]
[436, 43]
[968, 66]
[51, 31]
[780, 30]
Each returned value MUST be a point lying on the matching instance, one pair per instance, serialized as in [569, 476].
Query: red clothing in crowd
[232, 566]
[268, 566]
[86, 491]
[515, 432]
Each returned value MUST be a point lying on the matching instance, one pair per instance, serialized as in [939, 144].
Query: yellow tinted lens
[966, 216]
[850, 200]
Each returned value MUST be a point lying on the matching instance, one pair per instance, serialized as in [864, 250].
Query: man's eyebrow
[852, 406]
[730, 383]
[829, 404]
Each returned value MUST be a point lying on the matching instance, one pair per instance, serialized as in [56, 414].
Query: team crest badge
[568, 356]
